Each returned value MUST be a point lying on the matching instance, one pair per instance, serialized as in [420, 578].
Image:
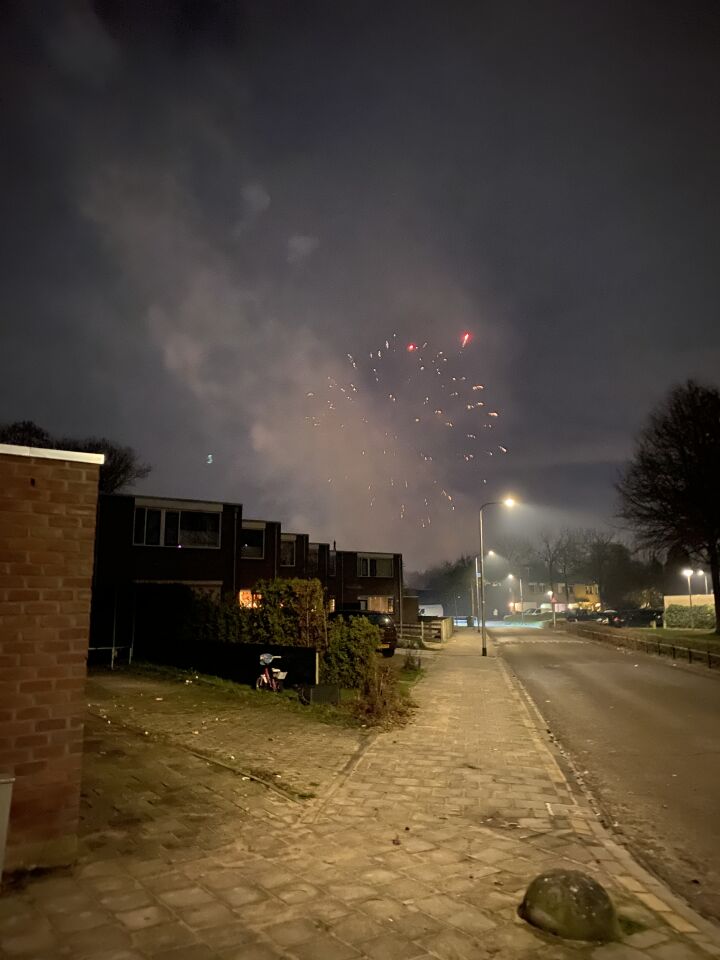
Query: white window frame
[179, 507]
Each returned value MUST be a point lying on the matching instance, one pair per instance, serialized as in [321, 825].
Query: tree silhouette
[121, 468]
[668, 491]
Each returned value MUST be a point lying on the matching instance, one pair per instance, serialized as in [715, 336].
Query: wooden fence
[434, 631]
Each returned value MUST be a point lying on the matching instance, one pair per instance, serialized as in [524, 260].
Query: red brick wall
[47, 530]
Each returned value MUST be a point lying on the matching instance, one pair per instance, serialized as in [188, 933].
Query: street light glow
[509, 502]
[511, 576]
[687, 573]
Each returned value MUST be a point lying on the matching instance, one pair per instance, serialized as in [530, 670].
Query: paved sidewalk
[421, 848]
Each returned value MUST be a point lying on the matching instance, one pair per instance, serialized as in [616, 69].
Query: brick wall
[47, 529]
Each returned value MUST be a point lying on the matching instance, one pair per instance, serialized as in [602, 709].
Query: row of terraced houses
[143, 543]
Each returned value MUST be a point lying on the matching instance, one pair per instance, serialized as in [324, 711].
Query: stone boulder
[572, 905]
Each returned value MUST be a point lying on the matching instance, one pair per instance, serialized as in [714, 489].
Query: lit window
[246, 598]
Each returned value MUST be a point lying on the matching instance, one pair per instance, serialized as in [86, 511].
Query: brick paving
[419, 844]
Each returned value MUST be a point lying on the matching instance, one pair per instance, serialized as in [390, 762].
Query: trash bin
[6, 785]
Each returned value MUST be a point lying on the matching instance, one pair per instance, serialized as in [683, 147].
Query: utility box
[320, 693]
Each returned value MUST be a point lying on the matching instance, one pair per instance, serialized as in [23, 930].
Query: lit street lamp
[507, 502]
[689, 573]
[701, 573]
[552, 601]
[522, 608]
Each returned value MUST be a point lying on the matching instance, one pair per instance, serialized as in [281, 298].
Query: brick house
[360, 580]
[47, 532]
[144, 543]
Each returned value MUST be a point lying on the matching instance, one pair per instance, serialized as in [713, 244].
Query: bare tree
[568, 557]
[598, 553]
[668, 492]
[25, 433]
[121, 468]
[546, 553]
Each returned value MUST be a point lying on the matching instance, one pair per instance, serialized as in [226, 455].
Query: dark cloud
[206, 205]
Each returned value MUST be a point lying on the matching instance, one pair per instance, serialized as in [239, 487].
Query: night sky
[207, 205]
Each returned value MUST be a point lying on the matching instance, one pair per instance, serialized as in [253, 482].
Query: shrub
[380, 699]
[678, 615]
[208, 620]
[350, 653]
[290, 613]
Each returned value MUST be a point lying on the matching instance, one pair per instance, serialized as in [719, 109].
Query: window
[155, 527]
[199, 529]
[313, 564]
[332, 563]
[374, 565]
[153, 524]
[247, 598]
[287, 550]
[172, 528]
[253, 540]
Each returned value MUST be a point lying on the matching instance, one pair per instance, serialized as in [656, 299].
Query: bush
[350, 653]
[380, 699]
[290, 613]
[678, 615]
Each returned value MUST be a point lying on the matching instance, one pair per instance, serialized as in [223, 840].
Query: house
[563, 596]
[260, 557]
[146, 544]
[366, 581]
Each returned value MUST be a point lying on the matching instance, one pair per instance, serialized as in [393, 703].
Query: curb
[635, 874]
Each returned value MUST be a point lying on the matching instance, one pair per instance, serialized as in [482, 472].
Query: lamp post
[522, 608]
[688, 573]
[507, 502]
[701, 573]
[552, 601]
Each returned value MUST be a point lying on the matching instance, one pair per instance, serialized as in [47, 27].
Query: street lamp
[688, 573]
[507, 502]
[552, 601]
[701, 573]
[522, 607]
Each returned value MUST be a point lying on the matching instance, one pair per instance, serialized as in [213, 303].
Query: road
[645, 736]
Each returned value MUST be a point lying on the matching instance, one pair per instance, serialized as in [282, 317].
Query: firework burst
[422, 413]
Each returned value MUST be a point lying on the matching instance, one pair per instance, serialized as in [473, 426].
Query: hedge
[680, 616]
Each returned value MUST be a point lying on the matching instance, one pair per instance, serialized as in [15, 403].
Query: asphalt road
[645, 736]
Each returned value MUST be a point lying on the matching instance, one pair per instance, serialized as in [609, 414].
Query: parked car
[643, 617]
[577, 616]
[606, 616]
[388, 630]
